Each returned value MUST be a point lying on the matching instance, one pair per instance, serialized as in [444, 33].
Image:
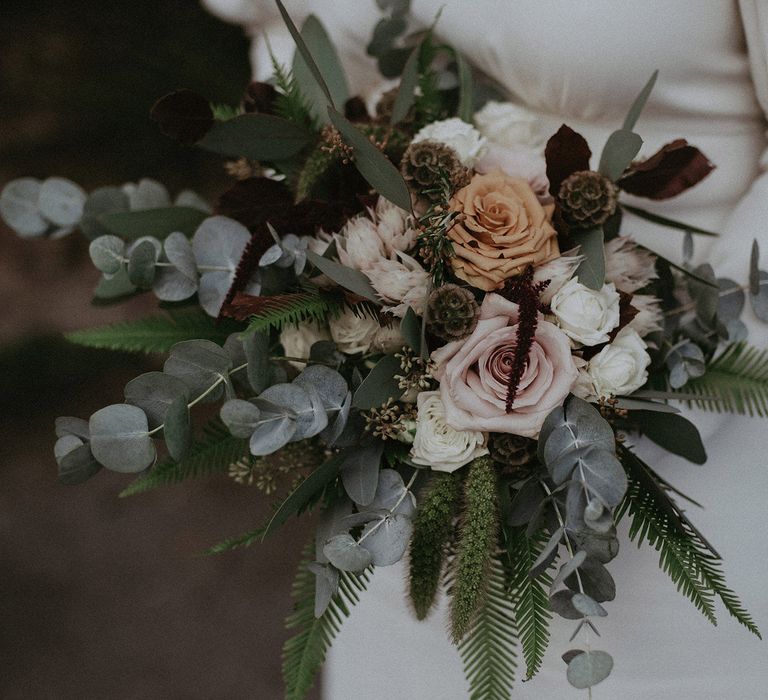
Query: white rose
[586, 315]
[353, 334]
[436, 444]
[509, 125]
[298, 340]
[458, 135]
[621, 367]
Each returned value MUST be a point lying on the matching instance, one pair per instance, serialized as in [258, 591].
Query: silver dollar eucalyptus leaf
[326, 585]
[153, 393]
[177, 429]
[334, 430]
[141, 265]
[331, 386]
[309, 415]
[102, 201]
[19, 207]
[199, 364]
[568, 568]
[189, 198]
[120, 438]
[346, 554]
[61, 201]
[256, 350]
[331, 523]
[595, 580]
[107, 254]
[277, 426]
[180, 281]
[68, 425]
[147, 194]
[391, 494]
[387, 540]
[240, 417]
[77, 465]
[587, 606]
[562, 604]
[360, 472]
[589, 668]
[65, 444]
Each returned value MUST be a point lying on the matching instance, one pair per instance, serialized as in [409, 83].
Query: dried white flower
[402, 282]
[650, 317]
[626, 265]
[319, 242]
[456, 134]
[392, 227]
[436, 444]
[558, 272]
[358, 244]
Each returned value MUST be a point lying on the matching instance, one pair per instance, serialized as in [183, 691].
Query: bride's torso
[583, 63]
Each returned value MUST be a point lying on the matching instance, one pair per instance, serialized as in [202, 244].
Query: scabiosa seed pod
[452, 312]
[515, 453]
[424, 164]
[587, 198]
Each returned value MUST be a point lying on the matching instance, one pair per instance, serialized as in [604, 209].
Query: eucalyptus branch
[406, 491]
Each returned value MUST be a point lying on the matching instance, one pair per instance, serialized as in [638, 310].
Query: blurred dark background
[102, 597]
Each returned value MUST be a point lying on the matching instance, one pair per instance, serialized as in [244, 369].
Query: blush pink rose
[473, 373]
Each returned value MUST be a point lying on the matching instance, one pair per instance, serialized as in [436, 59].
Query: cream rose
[298, 340]
[458, 135]
[621, 367]
[586, 315]
[436, 444]
[509, 125]
[504, 228]
[473, 373]
[353, 334]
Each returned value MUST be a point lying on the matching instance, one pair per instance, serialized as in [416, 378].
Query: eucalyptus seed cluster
[426, 164]
[515, 454]
[388, 421]
[452, 312]
[283, 468]
[587, 198]
[332, 142]
[417, 373]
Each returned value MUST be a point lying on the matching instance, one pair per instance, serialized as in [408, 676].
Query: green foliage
[154, 333]
[429, 105]
[282, 310]
[431, 530]
[736, 381]
[314, 169]
[244, 540]
[529, 595]
[304, 653]
[488, 651]
[211, 455]
[477, 539]
[290, 103]
[683, 553]
[224, 112]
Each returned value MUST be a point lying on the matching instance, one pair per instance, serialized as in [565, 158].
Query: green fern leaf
[268, 312]
[213, 454]
[304, 653]
[488, 651]
[244, 540]
[290, 103]
[736, 381]
[529, 595]
[683, 553]
[155, 333]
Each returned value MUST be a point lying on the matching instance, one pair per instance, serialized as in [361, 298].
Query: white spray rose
[621, 367]
[298, 340]
[353, 334]
[586, 315]
[436, 444]
[463, 138]
[509, 125]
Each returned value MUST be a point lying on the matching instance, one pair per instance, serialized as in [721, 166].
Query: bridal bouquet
[425, 323]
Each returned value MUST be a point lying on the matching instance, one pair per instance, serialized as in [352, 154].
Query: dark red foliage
[256, 201]
[243, 306]
[566, 152]
[260, 98]
[356, 111]
[183, 115]
[525, 293]
[671, 170]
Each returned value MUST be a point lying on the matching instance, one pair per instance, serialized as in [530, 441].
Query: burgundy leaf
[183, 115]
[567, 152]
[355, 110]
[671, 170]
[260, 98]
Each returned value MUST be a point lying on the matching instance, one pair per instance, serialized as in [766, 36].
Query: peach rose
[504, 229]
[473, 373]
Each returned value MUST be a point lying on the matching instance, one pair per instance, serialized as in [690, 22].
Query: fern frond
[736, 381]
[488, 651]
[529, 595]
[155, 333]
[304, 653]
[683, 554]
[213, 454]
[267, 312]
[290, 103]
[244, 540]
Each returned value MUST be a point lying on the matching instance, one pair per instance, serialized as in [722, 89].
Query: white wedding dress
[583, 63]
